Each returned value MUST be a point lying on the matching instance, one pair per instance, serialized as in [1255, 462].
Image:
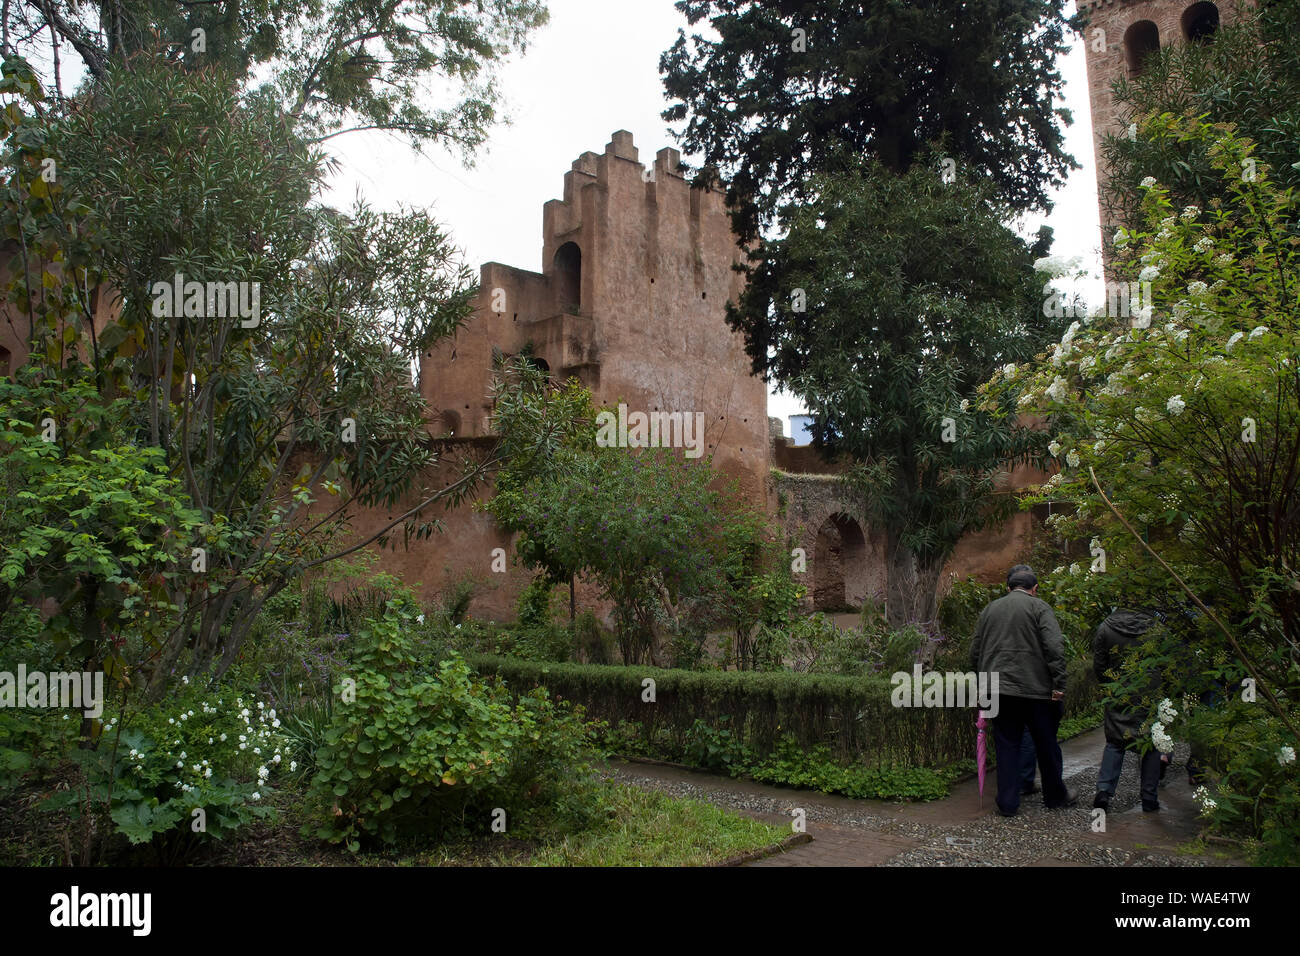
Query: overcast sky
[590, 71]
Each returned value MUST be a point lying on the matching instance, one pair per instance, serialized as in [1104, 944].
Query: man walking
[1123, 724]
[1018, 639]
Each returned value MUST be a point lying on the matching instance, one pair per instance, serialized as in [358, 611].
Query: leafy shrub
[550, 642]
[901, 647]
[960, 608]
[153, 770]
[792, 765]
[715, 748]
[535, 607]
[417, 748]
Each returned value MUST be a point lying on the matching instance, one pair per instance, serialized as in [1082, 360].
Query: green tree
[282, 424]
[645, 525]
[785, 87]
[877, 153]
[887, 301]
[425, 69]
[98, 528]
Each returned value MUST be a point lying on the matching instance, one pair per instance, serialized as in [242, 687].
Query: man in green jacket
[1017, 639]
[1121, 631]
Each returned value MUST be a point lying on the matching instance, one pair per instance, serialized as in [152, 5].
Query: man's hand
[1058, 695]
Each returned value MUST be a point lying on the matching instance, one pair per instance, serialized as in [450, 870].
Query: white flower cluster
[1056, 391]
[1166, 712]
[1204, 245]
[1189, 213]
[1285, 756]
[1176, 405]
[1204, 799]
[1164, 743]
[260, 731]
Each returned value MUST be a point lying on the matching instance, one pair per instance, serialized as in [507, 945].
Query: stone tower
[631, 300]
[1120, 35]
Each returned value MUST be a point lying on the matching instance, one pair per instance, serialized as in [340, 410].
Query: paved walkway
[964, 829]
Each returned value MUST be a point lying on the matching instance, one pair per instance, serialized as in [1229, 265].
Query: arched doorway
[839, 564]
[568, 278]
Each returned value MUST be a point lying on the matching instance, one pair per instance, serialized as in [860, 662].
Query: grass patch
[651, 829]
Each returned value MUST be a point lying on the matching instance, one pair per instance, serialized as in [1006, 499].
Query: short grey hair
[1021, 576]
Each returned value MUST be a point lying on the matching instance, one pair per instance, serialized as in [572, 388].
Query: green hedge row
[853, 716]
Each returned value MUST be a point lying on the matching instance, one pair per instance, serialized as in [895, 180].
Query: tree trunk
[911, 587]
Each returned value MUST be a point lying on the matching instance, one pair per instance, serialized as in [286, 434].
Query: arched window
[568, 278]
[1200, 22]
[1140, 41]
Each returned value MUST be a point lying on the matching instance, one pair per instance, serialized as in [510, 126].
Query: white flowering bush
[214, 751]
[1188, 413]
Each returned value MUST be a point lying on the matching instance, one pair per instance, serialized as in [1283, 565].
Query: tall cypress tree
[874, 154]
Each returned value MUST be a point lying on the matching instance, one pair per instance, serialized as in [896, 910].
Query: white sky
[592, 70]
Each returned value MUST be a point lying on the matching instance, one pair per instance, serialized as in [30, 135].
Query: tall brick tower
[631, 301]
[1120, 35]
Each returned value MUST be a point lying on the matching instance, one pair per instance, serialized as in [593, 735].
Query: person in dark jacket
[1123, 725]
[1017, 638]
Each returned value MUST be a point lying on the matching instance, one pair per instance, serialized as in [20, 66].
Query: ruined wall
[845, 559]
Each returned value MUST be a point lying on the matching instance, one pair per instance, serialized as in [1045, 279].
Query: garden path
[964, 829]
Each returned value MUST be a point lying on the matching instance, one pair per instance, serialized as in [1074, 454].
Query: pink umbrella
[981, 751]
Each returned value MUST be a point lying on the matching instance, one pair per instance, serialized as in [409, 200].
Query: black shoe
[1101, 802]
[1029, 790]
[1003, 813]
[1071, 798]
[1150, 806]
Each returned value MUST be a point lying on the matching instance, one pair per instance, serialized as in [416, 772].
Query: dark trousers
[1112, 763]
[1028, 761]
[1040, 718]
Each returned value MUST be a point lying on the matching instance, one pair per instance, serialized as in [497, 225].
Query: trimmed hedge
[853, 716]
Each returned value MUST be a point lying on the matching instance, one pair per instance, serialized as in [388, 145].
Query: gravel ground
[1035, 833]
